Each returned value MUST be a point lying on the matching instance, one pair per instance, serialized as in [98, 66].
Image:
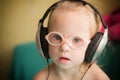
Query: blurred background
[19, 21]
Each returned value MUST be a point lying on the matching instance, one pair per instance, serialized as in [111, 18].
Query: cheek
[81, 52]
[52, 51]
[79, 55]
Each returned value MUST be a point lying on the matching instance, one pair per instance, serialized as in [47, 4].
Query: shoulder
[98, 73]
[41, 75]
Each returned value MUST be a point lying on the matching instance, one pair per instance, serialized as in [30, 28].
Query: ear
[100, 26]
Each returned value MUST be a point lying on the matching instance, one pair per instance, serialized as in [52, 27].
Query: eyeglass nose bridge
[66, 41]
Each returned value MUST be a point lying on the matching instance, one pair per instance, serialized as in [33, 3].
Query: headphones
[94, 48]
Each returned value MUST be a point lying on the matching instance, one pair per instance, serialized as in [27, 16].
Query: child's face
[69, 23]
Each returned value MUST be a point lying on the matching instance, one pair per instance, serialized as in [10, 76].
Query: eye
[55, 38]
[77, 41]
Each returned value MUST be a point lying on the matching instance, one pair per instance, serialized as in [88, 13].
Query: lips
[64, 59]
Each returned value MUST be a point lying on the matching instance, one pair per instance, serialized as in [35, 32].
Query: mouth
[64, 59]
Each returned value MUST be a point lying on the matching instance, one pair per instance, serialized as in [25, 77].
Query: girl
[71, 26]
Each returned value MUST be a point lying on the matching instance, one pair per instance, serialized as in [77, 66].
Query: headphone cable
[48, 68]
[86, 71]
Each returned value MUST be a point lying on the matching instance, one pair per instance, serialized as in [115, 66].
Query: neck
[67, 74]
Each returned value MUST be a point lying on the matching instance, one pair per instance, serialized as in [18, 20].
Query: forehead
[70, 21]
[75, 19]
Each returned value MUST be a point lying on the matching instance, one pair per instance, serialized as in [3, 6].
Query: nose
[64, 47]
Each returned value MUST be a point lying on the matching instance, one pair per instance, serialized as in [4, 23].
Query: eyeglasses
[74, 41]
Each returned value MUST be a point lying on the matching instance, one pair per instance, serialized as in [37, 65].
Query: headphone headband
[52, 7]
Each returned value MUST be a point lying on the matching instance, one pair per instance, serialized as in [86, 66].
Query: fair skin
[68, 23]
